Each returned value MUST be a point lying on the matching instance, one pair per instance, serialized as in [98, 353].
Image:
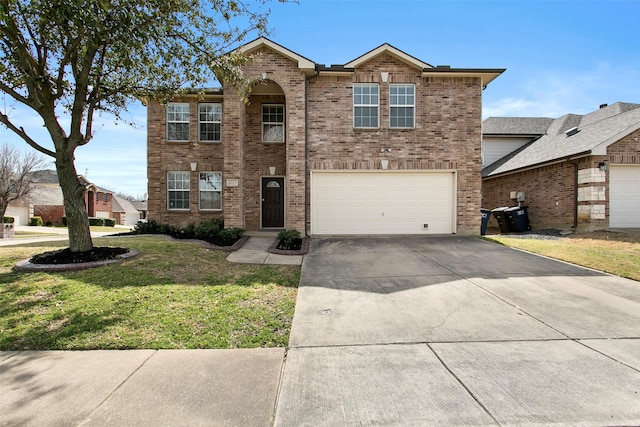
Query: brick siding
[447, 136]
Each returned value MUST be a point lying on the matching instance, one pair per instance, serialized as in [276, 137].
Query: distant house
[99, 202]
[582, 171]
[124, 212]
[45, 200]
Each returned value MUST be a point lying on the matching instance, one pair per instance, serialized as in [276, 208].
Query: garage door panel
[382, 202]
[624, 196]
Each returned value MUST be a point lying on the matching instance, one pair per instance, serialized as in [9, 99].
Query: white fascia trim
[410, 60]
[303, 63]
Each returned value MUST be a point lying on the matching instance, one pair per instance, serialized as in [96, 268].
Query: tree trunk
[74, 206]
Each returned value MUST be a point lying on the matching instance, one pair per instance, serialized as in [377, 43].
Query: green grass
[615, 253]
[175, 295]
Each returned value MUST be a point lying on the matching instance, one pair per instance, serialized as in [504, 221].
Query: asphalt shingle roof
[597, 131]
[516, 125]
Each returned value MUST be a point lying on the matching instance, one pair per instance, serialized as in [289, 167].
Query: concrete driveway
[458, 331]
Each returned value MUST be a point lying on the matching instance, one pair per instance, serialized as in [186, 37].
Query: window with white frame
[177, 122]
[178, 190]
[402, 102]
[273, 123]
[210, 185]
[366, 102]
[209, 121]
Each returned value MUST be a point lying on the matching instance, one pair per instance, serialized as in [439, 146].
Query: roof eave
[540, 164]
[486, 75]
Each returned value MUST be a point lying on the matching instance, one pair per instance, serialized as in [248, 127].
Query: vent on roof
[571, 131]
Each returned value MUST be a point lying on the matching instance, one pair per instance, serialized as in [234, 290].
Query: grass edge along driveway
[611, 252]
[174, 295]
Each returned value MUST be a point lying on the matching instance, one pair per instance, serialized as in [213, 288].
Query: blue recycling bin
[486, 215]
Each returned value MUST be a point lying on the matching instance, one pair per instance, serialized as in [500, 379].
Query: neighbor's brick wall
[447, 134]
[163, 156]
[550, 193]
[49, 213]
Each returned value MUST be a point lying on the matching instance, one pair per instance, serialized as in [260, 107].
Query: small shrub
[35, 221]
[148, 227]
[110, 222]
[209, 228]
[289, 239]
[96, 222]
[8, 220]
[48, 224]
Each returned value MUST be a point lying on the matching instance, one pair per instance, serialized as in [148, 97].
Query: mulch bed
[65, 256]
[302, 250]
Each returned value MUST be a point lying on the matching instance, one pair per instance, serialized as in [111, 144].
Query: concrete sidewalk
[139, 387]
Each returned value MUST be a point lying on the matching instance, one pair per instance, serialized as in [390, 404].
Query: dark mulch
[295, 245]
[65, 256]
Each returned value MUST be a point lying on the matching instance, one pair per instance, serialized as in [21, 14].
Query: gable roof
[595, 132]
[387, 48]
[307, 66]
[516, 126]
[122, 205]
[304, 64]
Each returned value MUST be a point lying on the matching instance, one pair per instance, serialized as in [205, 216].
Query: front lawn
[174, 295]
[615, 253]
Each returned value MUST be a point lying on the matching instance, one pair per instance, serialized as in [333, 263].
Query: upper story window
[178, 190]
[402, 102]
[209, 121]
[105, 198]
[273, 123]
[177, 122]
[210, 186]
[366, 105]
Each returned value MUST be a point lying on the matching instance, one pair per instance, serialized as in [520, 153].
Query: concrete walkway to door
[458, 331]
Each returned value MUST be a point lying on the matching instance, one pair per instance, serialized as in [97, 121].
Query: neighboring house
[99, 202]
[504, 135]
[141, 207]
[583, 171]
[124, 211]
[45, 200]
[384, 144]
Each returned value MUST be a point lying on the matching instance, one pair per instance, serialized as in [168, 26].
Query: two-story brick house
[385, 144]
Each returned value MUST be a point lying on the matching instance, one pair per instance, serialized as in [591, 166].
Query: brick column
[233, 137]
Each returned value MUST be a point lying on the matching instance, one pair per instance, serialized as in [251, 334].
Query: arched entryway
[265, 157]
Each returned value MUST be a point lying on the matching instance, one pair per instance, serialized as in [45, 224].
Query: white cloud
[553, 93]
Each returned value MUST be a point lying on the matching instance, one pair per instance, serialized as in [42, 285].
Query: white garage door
[19, 215]
[624, 196]
[382, 202]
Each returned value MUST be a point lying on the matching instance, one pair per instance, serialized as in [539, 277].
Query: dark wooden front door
[272, 202]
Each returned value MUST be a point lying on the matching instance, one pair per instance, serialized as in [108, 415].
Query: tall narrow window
[209, 120]
[402, 102]
[177, 122]
[178, 190]
[210, 185]
[273, 123]
[366, 101]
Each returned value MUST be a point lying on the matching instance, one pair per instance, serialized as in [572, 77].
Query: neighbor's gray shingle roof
[597, 131]
[516, 125]
[122, 205]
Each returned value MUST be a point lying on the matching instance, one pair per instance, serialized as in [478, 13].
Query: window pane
[210, 200]
[273, 123]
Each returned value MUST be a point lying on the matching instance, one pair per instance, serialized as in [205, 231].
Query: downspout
[307, 184]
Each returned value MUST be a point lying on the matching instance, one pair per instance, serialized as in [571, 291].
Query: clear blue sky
[561, 56]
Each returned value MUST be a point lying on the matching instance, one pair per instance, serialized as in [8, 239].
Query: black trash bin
[518, 218]
[486, 215]
[501, 217]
